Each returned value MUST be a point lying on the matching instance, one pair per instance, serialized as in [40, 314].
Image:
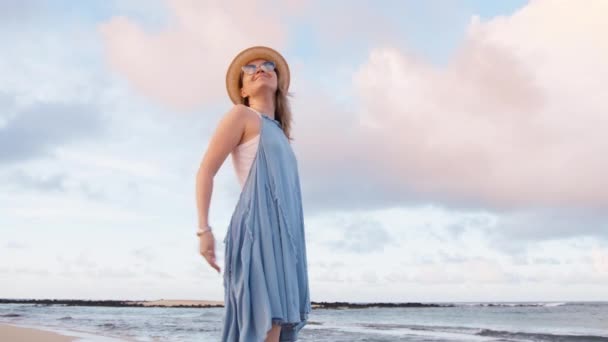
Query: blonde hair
[281, 104]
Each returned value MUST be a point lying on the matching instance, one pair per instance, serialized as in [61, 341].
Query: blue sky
[439, 157]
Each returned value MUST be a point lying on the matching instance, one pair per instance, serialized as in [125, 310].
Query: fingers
[214, 265]
[209, 255]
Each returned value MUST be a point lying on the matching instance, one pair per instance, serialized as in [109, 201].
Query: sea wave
[485, 332]
[511, 305]
[529, 336]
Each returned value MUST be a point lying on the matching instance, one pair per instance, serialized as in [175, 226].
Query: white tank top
[243, 154]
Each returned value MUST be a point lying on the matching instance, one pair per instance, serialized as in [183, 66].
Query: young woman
[266, 274]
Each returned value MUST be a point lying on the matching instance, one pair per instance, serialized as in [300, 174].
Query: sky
[447, 150]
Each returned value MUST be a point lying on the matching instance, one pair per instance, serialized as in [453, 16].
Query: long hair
[281, 104]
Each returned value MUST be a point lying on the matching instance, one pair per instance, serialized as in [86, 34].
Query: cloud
[516, 233]
[514, 120]
[54, 182]
[362, 237]
[600, 260]
[554, 224]
[31, 271]
[13, 13]
[50, 96]
[183, 64]
[15, 245]
[546, 261]
[146, 254]
[34, 131]
[476, 270]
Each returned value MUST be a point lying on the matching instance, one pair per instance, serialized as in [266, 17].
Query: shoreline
[189, 303]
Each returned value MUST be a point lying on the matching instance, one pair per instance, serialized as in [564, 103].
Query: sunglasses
[250, 69]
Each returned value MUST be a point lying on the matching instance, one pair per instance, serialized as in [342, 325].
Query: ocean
[516, 321]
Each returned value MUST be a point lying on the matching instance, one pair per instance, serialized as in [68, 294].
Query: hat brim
[255, 52]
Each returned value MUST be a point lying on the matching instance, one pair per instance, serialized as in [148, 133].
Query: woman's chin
[262, 87]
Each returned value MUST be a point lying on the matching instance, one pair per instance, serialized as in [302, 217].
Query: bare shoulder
[235, 118]
[243, 111]
[240, 120]
[235, 112]
[247, 116]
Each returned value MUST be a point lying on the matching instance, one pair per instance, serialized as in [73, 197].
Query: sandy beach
[20, 334]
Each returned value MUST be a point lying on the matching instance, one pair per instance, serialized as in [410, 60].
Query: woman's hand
[207, 248]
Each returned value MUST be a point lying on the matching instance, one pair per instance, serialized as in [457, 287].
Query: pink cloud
[518, 116]
[184, 64]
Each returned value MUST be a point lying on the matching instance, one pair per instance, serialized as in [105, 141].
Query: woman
[266, 275]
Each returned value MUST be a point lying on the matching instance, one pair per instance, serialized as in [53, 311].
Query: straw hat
[251, 53]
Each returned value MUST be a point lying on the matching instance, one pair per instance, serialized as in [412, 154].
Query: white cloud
[600, 260]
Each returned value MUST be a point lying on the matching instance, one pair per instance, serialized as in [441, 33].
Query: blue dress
[266, 273]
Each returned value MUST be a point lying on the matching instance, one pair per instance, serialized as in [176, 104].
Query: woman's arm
[226, 136]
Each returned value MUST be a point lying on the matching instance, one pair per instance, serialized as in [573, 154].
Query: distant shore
[188, 303]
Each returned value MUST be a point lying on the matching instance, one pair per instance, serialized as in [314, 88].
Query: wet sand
[20, 334]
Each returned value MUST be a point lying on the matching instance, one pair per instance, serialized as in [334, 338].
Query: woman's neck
[263, 105]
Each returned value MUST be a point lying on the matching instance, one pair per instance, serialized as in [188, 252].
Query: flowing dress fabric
[266, 273]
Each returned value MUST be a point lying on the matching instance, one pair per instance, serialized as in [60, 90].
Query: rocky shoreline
[204, 304]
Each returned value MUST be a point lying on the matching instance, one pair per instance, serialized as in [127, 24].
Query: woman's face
[259, 82]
